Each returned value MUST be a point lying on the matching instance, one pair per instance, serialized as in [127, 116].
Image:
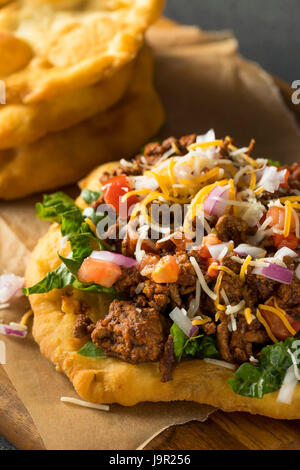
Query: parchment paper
[203, 83]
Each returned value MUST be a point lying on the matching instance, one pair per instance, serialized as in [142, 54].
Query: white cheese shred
[202, 281]
[86, 404]
[217, 362]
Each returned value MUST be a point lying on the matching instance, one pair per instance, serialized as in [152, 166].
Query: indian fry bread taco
[130, 318]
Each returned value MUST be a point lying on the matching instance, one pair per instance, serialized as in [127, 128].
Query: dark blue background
[267, 30]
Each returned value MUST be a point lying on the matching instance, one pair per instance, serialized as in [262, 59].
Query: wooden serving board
[222, 431]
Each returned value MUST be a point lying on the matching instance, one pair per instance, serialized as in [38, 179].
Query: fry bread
[63, 157]
[67, 44]
[111, 380]
[21, 123]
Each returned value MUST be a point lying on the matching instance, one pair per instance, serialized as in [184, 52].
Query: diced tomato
[290, 242]
[286, 178]
[114, 189]
[99, 271]
[166, 270]
[277, 326]
[278, 217]
[212, 272]
[210, 239]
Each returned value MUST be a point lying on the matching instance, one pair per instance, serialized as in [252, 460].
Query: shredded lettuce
[91, 350]
[90, 196]
[274, 163]
[267, 376]
[60, 208]
[198, 346]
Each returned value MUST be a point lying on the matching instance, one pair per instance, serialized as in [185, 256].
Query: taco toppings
[197, 245]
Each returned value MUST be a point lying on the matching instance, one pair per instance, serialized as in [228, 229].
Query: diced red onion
[285, 251]
[244, 250]
[10, 286]
[183, 322]
[193, 331]
[12, 331]
[275, 272]
[214, 207]
[116, 258]
[218, 249]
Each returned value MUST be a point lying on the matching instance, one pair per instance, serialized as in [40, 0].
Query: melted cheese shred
[26, 317]
[205, 145]
[288, 219]
[202, 281]
[222, 268]
[281, 314]
[265, 324]
[248, 316]
[86, 404]
[244, 267]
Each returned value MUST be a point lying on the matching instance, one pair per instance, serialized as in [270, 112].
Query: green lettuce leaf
[267, 376]
[57, 279]
[60, 208]
[90, 196]
[274, 163]
[91, 350]
[200, 346]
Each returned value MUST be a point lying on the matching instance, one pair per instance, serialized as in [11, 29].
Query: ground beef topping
[131, 333]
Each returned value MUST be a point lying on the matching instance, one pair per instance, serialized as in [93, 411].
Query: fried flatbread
[21, 123]
[69, 44]
[111, 380]
[63, 157]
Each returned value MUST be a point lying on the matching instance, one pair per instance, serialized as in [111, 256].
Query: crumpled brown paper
[203, 83]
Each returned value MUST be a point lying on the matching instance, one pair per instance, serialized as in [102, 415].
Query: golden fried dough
[14, 53]
[111, 380]
[21, 123]
[63, 157]
[74, 43]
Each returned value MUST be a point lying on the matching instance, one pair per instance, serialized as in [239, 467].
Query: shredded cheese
[244, 267]
[252, 181]
[259, 190]
[288, 219]
[217, 289]
[217, 362]
[222, 268]
[281, 315]
[296, 370]
[248, 316]
[86, 404]
[290, 199]
[205, 145]
[26, 317]
[265, 324]
[91, 225]
[136, 192]
[202, 281]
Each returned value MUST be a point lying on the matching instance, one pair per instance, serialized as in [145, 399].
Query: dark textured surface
[267, 30]
[5, 445]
